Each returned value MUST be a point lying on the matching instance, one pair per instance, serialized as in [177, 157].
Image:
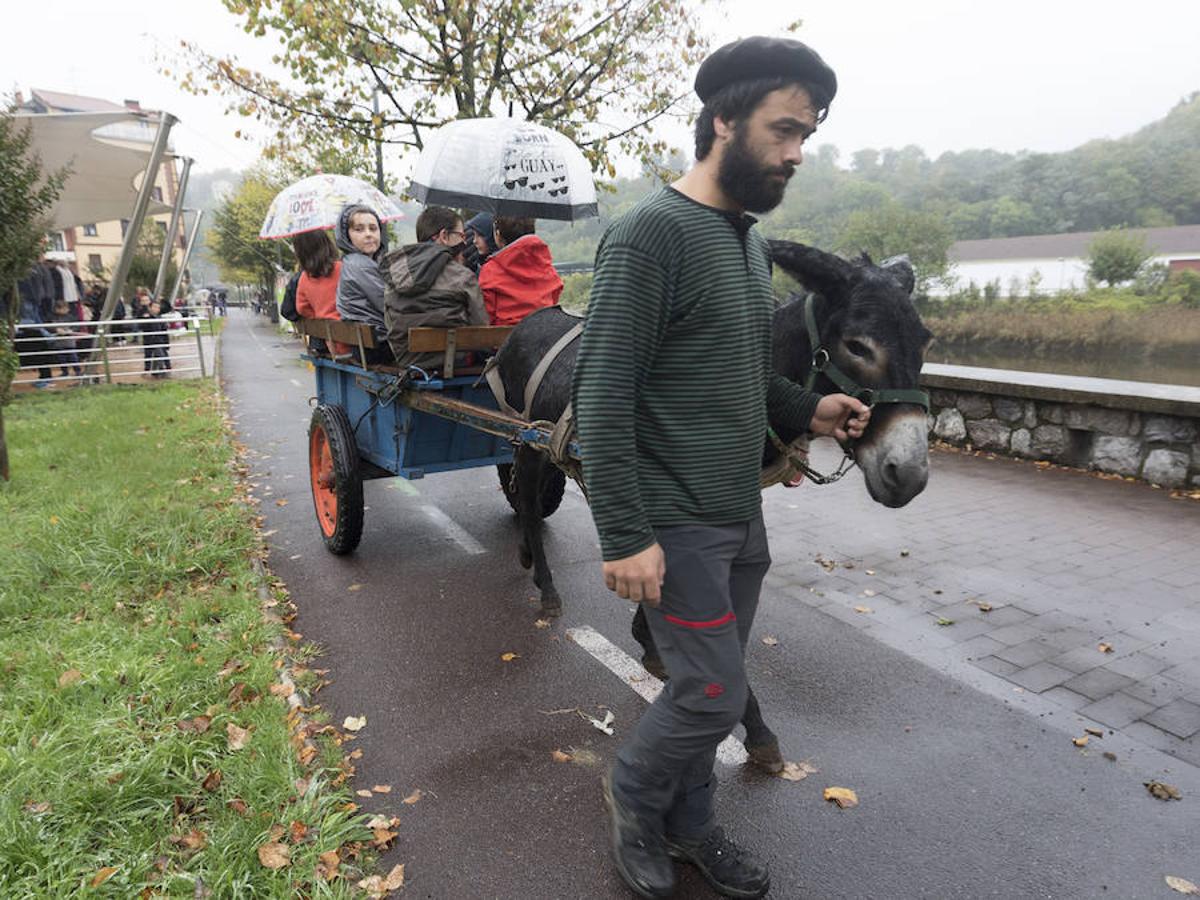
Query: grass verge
[134, 655]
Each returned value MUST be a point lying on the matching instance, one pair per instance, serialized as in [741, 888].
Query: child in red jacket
[519, 278]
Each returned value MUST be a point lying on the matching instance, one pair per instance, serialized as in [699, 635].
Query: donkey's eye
[861, 350]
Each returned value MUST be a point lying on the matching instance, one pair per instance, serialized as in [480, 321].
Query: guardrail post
[104, 354]
[200, 351]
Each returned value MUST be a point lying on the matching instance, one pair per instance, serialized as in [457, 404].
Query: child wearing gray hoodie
[363, 242]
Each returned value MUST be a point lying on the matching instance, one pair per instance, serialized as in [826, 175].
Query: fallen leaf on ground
[297, 832]
[1164, 791]
[382, 837]
[414, 797]
[36, 809]
[274, 855]
[212, 781]
[102, 876]
[238, 805]
[945, 622]
[868, 593]
[355, 723]
[377, 886]
[863, 609]
[328, 868]
[606, 725]
[238, 737]
[281, 503]
[870, 571]
[559, 756]
[1095, 732]
[355, 587]
[509, 657]
[69, 677]
[193, 840]
[797, 771]
[1105, 648]
[1174, 882]
[382, 788]
[281, 690]
[843, 797]
[1080, 741]
[983, 607]
[542, 623]
[379, 821]
[364, 793]
[770, 641]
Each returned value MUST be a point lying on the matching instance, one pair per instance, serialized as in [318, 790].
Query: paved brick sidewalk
[1067, 562]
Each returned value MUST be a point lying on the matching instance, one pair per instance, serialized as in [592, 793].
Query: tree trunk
[3, 448]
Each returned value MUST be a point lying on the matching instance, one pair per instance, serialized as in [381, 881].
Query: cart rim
[321, 473]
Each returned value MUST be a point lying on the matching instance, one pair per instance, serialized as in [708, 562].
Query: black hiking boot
[640, 854]
[730, 870]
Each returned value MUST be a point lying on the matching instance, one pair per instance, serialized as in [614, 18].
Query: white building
[1059, 260]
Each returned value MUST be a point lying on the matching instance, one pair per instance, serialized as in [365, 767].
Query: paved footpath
[970, 786]
[1091, 587]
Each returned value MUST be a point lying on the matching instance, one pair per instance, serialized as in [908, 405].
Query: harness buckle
[866, 396]
[820, 359]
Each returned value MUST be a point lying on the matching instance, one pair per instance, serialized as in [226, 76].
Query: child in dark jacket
[64, 328]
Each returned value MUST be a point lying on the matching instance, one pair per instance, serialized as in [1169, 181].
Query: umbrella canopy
[506, 167]
[314, 204]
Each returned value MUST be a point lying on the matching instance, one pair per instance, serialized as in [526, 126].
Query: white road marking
[456, 532]
[730, 752]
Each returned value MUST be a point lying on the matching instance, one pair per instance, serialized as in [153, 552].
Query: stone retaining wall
[1146, 431]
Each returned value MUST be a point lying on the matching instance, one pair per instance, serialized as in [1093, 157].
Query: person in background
[63, 327]
[33, 341]
[153, 331]
[519, 278]
[481, 242]
[363, 242]
[316, 291]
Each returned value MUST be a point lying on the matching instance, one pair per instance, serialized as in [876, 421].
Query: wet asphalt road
[963, 794]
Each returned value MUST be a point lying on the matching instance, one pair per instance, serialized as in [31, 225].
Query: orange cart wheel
[336, 480]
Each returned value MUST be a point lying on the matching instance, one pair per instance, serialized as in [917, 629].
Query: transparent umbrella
[314, 203]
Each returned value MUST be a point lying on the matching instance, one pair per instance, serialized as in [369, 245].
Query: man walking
[672, 392]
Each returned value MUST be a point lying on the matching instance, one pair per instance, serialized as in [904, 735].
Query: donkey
[868, 337]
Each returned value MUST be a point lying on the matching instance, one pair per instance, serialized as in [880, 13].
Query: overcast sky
[944, 74]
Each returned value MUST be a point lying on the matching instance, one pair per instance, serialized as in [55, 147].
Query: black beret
[763, 57]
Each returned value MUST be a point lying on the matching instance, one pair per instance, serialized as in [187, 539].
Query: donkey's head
[871, 331]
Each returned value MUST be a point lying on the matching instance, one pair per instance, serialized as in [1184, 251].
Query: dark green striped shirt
[673, 380]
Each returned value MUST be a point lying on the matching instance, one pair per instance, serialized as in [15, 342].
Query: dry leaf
[1164, 791]
[36, 809]
[945, 622]
[194, 840]
[843, 797]
[355, 723]
[68, 678]
[560, 756]
[198, 725]
[1095, 732]
[281, 503]
[1175, 883]
[509, 657]
[238, 737]
[382, 788]
[297, 832]
[103, 875]
[377, 886]
[274, 855]
[1105, 648]
[770, 641]
[364, 793]
[983, 607]
[378, 821]
[382, 837]
[606, 725]
[863, 609]
[542, 623]
[395, 878]
[867, 592]
[212, 781]
[1080, 741]
[413, 797]
[797, 771]
[329, 865]
[281, 690]
[238, 805]
[355, 587]
[870, 571]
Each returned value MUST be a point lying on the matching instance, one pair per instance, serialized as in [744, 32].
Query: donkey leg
[532, 471]
[641, 633]
[761, 743]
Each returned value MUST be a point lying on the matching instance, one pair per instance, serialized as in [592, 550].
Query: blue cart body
[400, 440]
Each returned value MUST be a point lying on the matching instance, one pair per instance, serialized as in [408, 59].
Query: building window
[95, 266]
[124, 226]
[57, 242]
[157, 194]
[89, 230]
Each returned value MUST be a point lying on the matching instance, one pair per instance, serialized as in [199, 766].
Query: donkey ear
[900, 268]
[817, 270]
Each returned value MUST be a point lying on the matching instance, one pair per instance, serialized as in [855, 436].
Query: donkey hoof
[525, 557]
[551, 607]
[653, 664]
[766, 756]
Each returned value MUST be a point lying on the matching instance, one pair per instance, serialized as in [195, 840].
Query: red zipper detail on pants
[711, 623]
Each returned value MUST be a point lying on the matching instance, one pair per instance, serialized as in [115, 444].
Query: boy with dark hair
[672, 389]
[441, 225]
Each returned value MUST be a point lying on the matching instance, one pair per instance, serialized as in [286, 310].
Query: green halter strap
[823, 364]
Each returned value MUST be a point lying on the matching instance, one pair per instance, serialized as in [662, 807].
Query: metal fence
[113, 350]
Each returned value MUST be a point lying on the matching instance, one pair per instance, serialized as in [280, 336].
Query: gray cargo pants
[664, 771]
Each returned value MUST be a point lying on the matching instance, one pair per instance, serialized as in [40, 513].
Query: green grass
[126, 559]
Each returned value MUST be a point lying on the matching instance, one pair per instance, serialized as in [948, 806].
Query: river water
[1132, 367]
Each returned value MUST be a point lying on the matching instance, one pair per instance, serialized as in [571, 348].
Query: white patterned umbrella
[314, 204]
[507, 167]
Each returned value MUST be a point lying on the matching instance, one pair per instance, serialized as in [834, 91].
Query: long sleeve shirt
[673, 382]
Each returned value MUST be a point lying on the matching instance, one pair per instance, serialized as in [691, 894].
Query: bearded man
[672, 391]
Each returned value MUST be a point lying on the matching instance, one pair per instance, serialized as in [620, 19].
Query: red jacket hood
[519, 279]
